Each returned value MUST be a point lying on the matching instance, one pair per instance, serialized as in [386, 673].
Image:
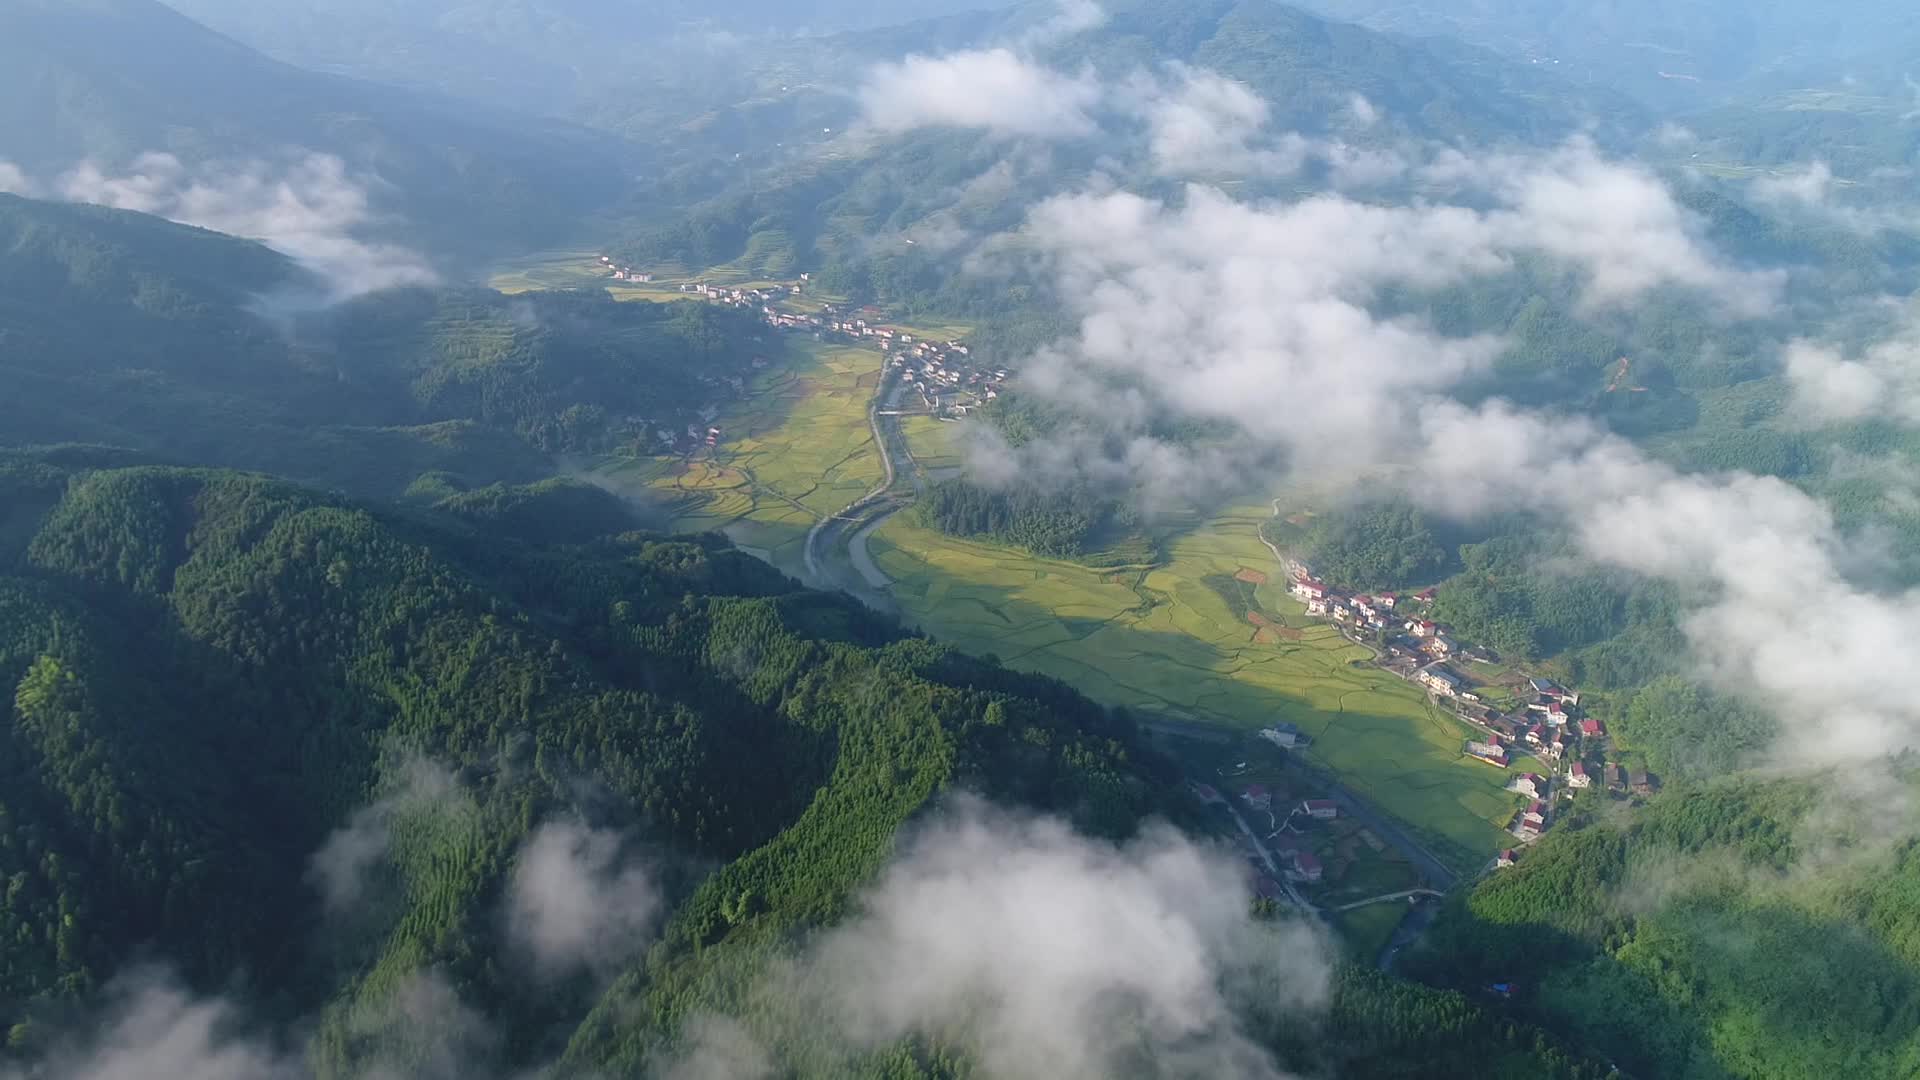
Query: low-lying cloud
[1045, 953]
[343, 867]
[1880, 380]
[310, 207]
[579, 902]
[995, 90]
[1268, 318]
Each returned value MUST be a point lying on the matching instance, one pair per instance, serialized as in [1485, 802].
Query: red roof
[1510, 855]
[1255, 791]
[1537, 807]
[1321, 804]
[1578, 769]
[1589, 727]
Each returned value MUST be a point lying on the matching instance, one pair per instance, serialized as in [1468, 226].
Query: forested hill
[212, 677]
[109, 80]
[1743, 929]
[209, 672]
[122, 329]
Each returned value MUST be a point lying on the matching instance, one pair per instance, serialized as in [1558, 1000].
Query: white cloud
[1201, 123]
[1073, 17]
[153, 1029]
[1622, 226]
[1880, 380]
[340, 870]
[1263, 314]
[15, 182]
[1811, 185]
[1777, 619]
[995, 90]
[575, 903]
[310, 208]
[1045, 953]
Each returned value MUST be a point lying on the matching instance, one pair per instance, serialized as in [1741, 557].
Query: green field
[1176, 641]
[796, 449]
[936, 444]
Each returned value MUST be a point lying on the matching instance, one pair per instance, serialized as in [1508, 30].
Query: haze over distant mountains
[109, 80]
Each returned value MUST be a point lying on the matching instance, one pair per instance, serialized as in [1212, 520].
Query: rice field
[796, 449]
[1176, 640]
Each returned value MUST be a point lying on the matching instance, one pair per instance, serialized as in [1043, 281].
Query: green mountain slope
[210, 676]
[1746, 929]
[121, 329]
[108, 80]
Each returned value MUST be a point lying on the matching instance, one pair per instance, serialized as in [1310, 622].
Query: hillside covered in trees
[257, 730]
[194, 347]
[1748, 928]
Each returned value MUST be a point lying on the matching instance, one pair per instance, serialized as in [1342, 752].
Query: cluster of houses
[1302, 865]
[944, 376]
[625, 273]
[1549, 725]
[942, 372]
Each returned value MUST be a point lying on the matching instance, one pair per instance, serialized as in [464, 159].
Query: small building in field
[1507, 858]
[1321, 809]
[1307, 868]
[1491, 753]
[1284, 736]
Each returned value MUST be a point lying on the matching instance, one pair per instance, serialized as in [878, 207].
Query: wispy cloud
[578, 901]
[1044, 953]
[995, 90]
[309, 207]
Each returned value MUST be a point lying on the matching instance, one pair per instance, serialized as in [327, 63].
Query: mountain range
[108, 81]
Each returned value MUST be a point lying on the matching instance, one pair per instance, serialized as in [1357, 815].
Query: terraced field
[1178, 640]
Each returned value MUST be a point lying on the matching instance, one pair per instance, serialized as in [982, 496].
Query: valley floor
[1194, 639]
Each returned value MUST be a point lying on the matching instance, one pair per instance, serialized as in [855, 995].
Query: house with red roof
[1591, 728]
[1577, 775]
[1321, 809]
[1507, 858]
[1258, 797]
[1532, 785]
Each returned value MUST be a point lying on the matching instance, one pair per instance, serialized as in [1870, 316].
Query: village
[942, 372]
[1544, 721]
